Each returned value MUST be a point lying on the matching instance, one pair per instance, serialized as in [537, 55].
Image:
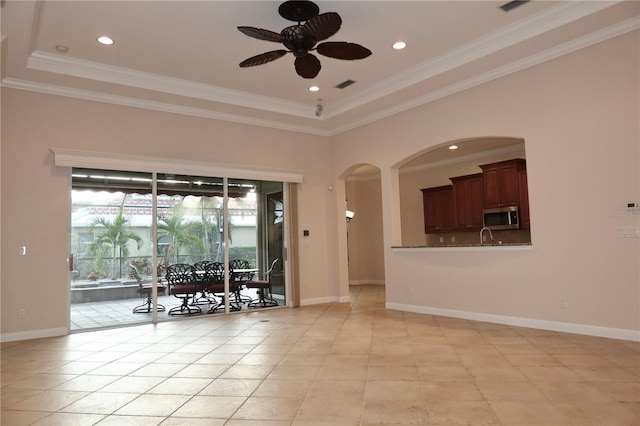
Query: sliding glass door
[113, 241]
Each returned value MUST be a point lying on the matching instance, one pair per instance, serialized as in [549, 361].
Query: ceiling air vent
[345, 84]
[512, 5]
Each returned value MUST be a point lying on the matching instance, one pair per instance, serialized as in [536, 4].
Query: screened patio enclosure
[122, 221]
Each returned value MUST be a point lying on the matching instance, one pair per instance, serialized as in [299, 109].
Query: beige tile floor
[335, 364]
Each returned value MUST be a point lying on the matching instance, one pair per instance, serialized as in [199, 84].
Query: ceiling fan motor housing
[298, 43]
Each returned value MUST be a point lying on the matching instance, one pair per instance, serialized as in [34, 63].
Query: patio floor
[114, 313]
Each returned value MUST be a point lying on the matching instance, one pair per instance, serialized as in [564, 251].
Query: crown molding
[615, 30]
[546, 20]
[60, 64]
[612, 31]
[156, 106]
[510, 35]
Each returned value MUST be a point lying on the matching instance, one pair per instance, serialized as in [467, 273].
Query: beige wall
[579, 116]
[365, 230]
[35, 194]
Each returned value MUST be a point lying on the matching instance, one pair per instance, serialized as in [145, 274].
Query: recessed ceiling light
[62, 49]
[105, 40]
[452, 147]
[314, 88]
[398, 45]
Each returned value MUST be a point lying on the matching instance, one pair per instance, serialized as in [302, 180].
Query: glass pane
[110, 233]
[112, 245]
[257, 234]
[189, 229]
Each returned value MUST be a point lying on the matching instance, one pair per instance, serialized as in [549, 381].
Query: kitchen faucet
[490, 234]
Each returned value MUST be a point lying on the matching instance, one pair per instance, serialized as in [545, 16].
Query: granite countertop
[491, 244]
[496, 246]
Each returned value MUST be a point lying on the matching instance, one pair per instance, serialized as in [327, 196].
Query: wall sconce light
[350, 215]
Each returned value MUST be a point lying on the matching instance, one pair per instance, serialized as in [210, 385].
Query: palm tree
[116, 235]
[178, 230]
[211, 214]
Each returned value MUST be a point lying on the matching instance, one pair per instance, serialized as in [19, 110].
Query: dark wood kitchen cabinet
[439, 215]
[468, 202]
[501, 183]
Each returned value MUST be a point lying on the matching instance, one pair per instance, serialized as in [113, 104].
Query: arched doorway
[364, 232]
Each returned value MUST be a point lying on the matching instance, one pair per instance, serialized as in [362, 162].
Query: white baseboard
[33, 334]
[589, 330]
[320, 300]
[361, 282]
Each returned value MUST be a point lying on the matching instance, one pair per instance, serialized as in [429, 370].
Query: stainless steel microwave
[501, 218]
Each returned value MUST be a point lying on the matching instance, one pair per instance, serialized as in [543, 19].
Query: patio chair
[263, 287]
[146, 290]
[183, 284]
[204, 276]
[239, 278]
[217, 288]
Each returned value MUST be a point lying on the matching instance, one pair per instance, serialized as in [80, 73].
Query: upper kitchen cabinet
[501, 183]
[438, 205]
[468, 201]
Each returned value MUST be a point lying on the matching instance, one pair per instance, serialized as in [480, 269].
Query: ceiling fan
[301, 39]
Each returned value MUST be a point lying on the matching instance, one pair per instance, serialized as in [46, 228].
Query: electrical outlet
[22, 312]
[563, 303]
[410, 290]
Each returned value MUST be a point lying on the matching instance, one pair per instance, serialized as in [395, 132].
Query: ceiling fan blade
[263, 58]
[322, 26]
[343, 50]
[307, 66]
[261, 34]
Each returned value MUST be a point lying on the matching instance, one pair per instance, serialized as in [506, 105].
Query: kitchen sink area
[517, 237]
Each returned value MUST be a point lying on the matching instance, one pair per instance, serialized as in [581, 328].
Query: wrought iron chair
[217, 288]
[263, 287]
[239, 278]
[146, 290]
[183, 284]
[204, 276]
